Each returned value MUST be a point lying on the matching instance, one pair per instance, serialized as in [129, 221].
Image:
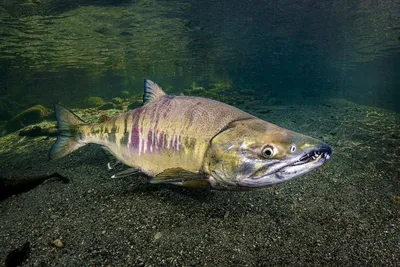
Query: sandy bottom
[347, 213]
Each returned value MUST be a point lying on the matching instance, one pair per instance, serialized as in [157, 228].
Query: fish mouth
[287, 169]
[284, 170]
[320, 154]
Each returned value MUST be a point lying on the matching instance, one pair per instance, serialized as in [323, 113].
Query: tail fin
[68, 128]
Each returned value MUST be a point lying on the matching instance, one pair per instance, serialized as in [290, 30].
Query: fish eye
[268, 151]
[292, 148]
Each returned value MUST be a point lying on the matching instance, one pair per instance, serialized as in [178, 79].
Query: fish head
[254, 153]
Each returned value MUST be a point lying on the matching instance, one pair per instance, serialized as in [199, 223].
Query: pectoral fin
[179, 176]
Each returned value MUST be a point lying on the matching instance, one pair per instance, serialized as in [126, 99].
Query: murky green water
[52, 51]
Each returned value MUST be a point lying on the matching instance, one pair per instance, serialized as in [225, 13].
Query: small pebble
[158, 235]
[226, 214]
[57, 243]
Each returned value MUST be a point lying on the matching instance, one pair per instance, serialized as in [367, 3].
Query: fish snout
[318, 154]
[325, 151]
[324, 148]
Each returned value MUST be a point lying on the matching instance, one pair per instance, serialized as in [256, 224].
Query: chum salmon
[194, 142]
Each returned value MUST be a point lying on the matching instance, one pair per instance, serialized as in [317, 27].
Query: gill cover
[228, 158]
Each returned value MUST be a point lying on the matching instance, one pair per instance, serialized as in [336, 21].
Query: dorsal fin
[152, 92]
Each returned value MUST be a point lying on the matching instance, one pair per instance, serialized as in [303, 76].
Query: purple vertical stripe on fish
[175, 142]
[171, 143]
[149, 141]
[135, 136]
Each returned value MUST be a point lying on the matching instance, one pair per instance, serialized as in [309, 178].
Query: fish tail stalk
[70, 129]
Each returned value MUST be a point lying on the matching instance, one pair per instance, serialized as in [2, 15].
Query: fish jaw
[235, 159]
[286, 170]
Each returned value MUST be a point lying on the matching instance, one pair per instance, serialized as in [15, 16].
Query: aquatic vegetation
[94, 101]
[223, 85]
[196, 90]
[117, 100]
[124, 93]
[135, 102]
[27, 117]
[107, 106]
[86, 38]
[216, 91]
[133, 105]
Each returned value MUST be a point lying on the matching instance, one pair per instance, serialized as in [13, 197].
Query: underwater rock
[27, 117]
[58, 243]
[33, 132]
[9, 187]
[134, 105]
[94, 101]
[36, 131]
[107, 106]
[17, 256]
[158, 235]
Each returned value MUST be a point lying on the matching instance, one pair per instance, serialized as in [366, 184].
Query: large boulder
[27, 117]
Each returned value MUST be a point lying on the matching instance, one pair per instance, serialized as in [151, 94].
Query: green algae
[13, 145]
[27, 117]
[100, 39]
[107, 106]
[117, 100]
[94, 101]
